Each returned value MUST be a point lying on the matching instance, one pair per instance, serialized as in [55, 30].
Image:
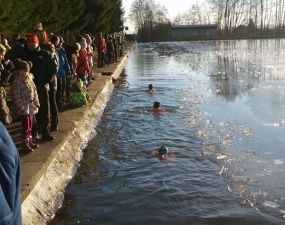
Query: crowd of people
[45, 73]
[41, 73]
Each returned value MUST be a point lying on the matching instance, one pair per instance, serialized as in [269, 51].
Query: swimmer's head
[162, 150]
[150, 87]
[156, 104]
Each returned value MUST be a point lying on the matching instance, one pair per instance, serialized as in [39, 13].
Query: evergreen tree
[92, 16]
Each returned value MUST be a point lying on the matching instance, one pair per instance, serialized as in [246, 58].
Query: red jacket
[83, 65]
[100, 44]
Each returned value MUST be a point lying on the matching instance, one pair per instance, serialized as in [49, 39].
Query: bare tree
[147, 16]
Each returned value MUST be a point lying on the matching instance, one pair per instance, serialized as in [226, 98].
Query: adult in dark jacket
[16, 48]
[116, 48]
[110, 48]
[44, 68]
[52, 89]
[10, 180]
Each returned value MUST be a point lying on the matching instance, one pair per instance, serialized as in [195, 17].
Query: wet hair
[156, 104]
[150, 86]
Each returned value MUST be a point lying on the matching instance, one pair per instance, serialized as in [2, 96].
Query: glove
[8, 65]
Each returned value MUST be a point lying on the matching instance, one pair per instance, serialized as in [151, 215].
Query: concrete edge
[36, 209]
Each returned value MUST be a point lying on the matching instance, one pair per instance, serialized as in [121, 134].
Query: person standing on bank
[52, 91]
[101, 46]
[83, 66]
[64, 73]
[10, 180]
[44, 67]
[25, 99]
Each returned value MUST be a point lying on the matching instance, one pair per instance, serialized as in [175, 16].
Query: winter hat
[23, 65]
[32, 38]
[88, 39]
[5, 42]
[163, 150]
[61, 40]
[38, 26]
[83, 43]
[77, 46]
[79, 83]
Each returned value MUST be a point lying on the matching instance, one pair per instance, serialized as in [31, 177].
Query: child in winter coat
[78, 95]
[25, 98]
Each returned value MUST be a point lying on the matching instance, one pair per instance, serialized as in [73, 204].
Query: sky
[174, 7]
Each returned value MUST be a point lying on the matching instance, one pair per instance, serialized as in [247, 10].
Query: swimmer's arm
[172, 154]
[154, 152]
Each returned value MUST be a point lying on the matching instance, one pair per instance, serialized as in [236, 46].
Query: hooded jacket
[10, 180]
[64, 69]
[44, 65]
[25, 96]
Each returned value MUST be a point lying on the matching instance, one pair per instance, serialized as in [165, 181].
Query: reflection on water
[224, 119]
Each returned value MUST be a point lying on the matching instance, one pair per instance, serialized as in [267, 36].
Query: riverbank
[47, 170]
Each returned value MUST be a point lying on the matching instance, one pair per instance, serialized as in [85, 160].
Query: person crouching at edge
[10, 180]
[162, 153]
[26, 101]
[151, 89]
[156, 108]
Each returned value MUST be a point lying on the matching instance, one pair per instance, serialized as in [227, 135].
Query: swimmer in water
[162, 153]
[150, 88]
[156, 107]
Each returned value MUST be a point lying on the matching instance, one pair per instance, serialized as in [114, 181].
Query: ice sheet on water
[270, 204]
[242, 179]
[267, 153]
[221, 157]
[259, 193]
[278, 161]
[260, 161]
[271, 124]
[227, 143]
[223, 123]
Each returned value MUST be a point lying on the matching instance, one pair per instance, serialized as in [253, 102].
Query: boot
[26, 145]
[32, 144]
[47, 136]
[53, 127]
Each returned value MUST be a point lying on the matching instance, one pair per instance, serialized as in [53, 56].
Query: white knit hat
[83, 43]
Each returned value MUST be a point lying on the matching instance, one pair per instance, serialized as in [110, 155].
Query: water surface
[224, 118]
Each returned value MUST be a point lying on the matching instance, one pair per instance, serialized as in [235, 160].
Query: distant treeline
[234, 18]
[62, 16]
